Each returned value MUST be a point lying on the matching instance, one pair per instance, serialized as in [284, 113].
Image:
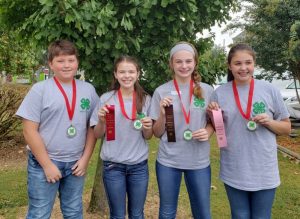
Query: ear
[50, 65]
[115, 75]
[228, 66]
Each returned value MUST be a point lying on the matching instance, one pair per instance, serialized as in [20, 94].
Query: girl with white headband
[188, 153]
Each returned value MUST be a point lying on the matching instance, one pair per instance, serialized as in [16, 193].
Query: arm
[99, 129]
[147, 127]
[204, 133]
[38, 149]
[282, 127]
[79, 168]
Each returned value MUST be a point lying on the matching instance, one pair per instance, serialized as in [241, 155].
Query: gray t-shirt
[129, 146]
[45, 104]
[249, 162]
[183, 154]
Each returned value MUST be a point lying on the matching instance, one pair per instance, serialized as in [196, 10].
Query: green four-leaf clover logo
[259, 107]
[199, 102]
[85, 104]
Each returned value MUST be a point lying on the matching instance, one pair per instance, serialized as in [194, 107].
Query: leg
[198, 185]
[70, 192]
[137, 184]
[261, 203]
[114, 178]
[239, 203]
[41, 194]
[169, 180]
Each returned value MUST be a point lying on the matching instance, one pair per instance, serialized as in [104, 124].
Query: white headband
[181, 46]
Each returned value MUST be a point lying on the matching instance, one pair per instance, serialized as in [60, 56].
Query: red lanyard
[250, 97]
[133, 115]
[185, 114]
[70, 109]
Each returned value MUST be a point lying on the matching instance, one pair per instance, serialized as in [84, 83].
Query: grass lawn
[13, 196]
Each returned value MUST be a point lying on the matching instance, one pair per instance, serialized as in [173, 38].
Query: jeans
[198, 186]
[121, 179]
[42, 194]
[250, 205]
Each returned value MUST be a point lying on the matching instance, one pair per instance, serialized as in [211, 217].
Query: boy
[55, 116]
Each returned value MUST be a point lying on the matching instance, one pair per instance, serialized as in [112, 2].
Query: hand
[263, 119]
[52, 173]
[147, 123]
[80, 167]
[201, 135]
[167, 101]
[102, 113]
[212, 106]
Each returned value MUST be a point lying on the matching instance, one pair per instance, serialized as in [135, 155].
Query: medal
[71, 131]
[137, 124]
[187, 135]
[251, 125]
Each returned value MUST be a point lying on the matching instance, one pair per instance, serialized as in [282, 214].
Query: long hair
[196, 77]
[232, 51]
[140, 92]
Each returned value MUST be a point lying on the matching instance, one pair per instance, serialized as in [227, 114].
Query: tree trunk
[98, 202]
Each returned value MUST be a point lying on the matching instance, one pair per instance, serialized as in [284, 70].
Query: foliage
[16, 56]
[10, 99]
[213, 64]
[103, 30]
[267, 28]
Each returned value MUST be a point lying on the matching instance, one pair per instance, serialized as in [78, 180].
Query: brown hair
[140, 92]
[232, 51]
[195, 75]
[61, 47]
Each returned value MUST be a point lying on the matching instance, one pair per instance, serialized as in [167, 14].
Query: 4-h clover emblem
[199, 102]
[85, 104]
[259, 107]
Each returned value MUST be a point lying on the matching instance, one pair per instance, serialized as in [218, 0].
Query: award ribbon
[219, 127]
[170, 124]
[71, 131]
[187, 133]
[110, 123]
[251, 124]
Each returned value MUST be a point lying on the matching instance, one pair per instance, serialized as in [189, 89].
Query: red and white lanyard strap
[71, 131]
[251, 124]
[187, 133]
[133, 112]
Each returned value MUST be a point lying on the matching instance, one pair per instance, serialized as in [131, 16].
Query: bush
[11, 96]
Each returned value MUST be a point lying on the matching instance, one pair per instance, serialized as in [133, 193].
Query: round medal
[187, 135]
[71, 131]
[137, 124]
[251, 125]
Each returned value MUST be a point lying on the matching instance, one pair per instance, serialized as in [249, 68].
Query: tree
[16, 55]
[267, 28]
[103, 30]
[294, 51]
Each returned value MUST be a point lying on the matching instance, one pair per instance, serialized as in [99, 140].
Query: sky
[223, 39]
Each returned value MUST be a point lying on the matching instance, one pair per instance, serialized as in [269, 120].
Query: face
[64, 67]
[183, 64]
[242, 67]
[126, 75]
